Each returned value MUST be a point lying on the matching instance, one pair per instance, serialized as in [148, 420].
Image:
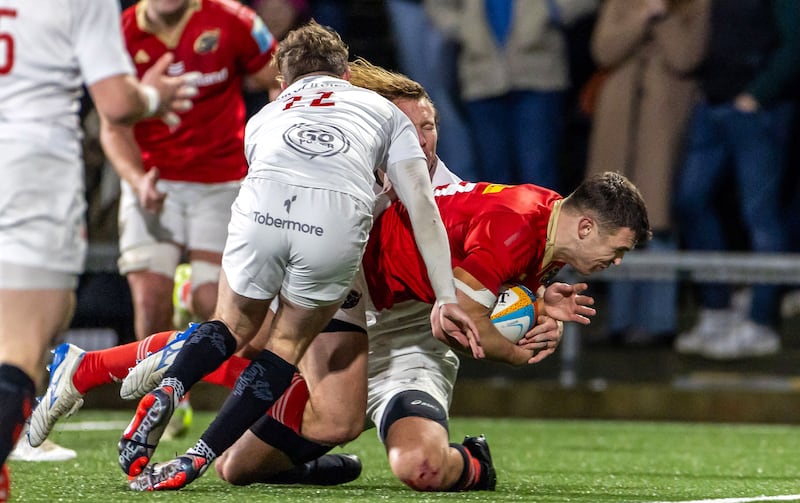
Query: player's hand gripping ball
[515, 312]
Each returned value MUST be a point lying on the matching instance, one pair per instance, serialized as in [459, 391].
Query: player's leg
[420, 453]
[212, 343]
[29, 320]
[42, 251]
[150, 251]
[411, 379]
[303, 424]
[208, 211]
[75, 372]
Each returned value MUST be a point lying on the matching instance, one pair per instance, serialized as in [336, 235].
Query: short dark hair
[615, 203]
[311, 48]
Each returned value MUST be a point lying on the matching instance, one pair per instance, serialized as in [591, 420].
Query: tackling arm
[411, 181]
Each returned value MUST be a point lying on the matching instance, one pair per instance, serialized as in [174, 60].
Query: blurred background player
[42, 231]
[178, 183]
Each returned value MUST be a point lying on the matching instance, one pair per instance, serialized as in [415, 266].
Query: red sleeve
[256, 43]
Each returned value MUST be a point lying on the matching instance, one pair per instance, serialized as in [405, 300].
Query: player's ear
[585, 226]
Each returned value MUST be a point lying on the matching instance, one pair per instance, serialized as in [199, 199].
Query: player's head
[408, 95]
[611, 219]
[312, 48]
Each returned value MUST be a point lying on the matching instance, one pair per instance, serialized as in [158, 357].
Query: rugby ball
[514, 313]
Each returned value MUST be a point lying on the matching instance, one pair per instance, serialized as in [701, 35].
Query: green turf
[541, 461]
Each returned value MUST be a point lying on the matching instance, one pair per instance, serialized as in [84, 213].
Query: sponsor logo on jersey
[208, 41]
[205, 79]
[288, 204]
[141, 57]
[316, 140]
[352, 300]
[285, 223]
[209, 79]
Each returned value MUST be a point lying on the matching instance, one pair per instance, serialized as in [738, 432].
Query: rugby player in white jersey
[298, 230]
[48, 50]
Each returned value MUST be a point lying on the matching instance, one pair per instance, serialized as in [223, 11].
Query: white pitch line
[92, 426]
[782, 497]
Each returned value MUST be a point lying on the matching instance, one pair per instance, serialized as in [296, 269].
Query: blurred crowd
[693, 100]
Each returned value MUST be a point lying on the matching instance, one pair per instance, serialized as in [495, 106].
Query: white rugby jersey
[48, 49]
[325, 133]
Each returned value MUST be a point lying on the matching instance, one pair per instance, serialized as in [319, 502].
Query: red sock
[227, 373]
[112, 364]
[290, 406]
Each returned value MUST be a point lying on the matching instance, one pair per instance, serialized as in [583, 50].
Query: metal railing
[698, 267]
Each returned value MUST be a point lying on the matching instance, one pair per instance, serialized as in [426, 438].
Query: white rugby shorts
[305, 243]
[42, 208]
[195, 217]
[404, 355]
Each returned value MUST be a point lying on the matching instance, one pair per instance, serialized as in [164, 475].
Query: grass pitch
[537, 461]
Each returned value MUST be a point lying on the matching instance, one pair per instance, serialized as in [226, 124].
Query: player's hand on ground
[543, 338]
[150, 198]
[566, 303]
[449, 322]
[175, 92]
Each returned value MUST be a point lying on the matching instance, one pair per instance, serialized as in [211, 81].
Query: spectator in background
[647, 51]
[513, 69]
[738, 132]
[42, 206]
[426, 55]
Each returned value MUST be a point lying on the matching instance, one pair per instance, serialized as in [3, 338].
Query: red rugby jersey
[497, 233]
[224, 41]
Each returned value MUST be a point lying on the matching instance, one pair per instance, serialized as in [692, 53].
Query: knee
[229, 471]
[418, 468]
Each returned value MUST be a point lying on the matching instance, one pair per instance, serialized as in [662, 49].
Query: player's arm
[477, 301]
[412, 184]
[122, 151]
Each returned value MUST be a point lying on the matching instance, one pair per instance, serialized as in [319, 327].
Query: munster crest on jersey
[208, 41]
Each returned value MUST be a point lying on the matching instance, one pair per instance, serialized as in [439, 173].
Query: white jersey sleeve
[48, 49]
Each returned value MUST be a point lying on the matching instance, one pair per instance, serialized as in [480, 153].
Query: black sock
[467, 477]
[16, 396]
[258, 387]
[300, 450]
[208, 347]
